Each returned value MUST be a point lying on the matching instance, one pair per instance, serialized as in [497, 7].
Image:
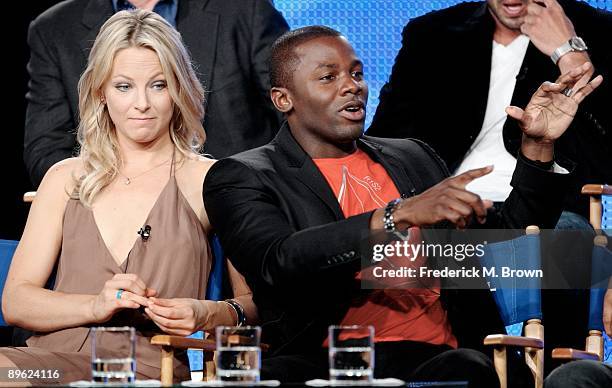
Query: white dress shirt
[488, 148]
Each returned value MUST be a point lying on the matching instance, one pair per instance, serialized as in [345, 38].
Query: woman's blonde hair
[99, 148]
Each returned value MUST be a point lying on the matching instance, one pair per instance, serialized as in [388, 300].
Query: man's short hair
[284, 60]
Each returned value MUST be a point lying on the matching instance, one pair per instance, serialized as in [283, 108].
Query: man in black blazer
[229, 42]
[451, 50]
[283, 227]
[466, 51]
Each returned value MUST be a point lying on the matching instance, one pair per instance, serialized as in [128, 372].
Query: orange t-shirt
[362, 185]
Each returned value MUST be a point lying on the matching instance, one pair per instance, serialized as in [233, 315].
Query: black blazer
[439, 86]
[283, 229]
[229, 41]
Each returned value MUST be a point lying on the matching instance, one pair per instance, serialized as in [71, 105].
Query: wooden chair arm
[29, 196]
[179, 342]
[592, 189]
[183, 342]
[170, 342]
[510, 340]
[595, 208]
[573, 354]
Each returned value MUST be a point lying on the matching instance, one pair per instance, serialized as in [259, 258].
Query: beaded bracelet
[388, 222]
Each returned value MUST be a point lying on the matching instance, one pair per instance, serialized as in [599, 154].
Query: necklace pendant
[127, 181]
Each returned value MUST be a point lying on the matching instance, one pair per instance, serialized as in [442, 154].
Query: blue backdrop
[373, 26]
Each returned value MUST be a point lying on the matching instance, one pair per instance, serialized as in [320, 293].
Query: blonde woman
[138, 171]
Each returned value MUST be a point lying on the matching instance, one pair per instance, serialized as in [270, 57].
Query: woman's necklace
[129, 180]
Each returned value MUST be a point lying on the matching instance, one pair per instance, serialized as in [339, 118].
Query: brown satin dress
[175, 261]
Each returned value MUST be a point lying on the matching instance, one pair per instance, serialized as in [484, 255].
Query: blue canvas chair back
[7, 249]
[214, 291]
[602, 264]
[601, 270]
[606, 214]
[517, 298]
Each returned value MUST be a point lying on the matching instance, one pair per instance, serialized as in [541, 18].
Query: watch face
[577, 43]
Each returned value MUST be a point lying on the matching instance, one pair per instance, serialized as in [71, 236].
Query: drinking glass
[238, 353]
[113, 352]
[351, 353]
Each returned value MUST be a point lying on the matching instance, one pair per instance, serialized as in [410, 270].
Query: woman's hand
[184, 316]
[135, 294]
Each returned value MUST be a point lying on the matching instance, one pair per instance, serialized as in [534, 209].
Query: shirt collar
[164, 8]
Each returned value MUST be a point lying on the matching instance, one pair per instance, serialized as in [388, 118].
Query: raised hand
[446, 201]
[547, 26]
[553, 106]
[181, 316]
[134, 293]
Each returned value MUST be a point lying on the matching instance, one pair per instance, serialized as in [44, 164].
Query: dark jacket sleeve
[268, 24]
[536, 198]
[261, 242]
[592, 125]
[49, 124]
[398, 97]
[588, 140]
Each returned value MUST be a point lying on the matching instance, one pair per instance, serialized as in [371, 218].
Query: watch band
[574, 43]
[561, 51]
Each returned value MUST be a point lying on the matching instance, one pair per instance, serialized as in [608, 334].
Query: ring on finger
[119, 293]
[567, 92]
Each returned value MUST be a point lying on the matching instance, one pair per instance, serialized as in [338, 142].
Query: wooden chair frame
[532, 342]
[594, 344]
[170, 342]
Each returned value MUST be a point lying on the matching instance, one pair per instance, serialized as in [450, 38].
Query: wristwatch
[575, 43]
